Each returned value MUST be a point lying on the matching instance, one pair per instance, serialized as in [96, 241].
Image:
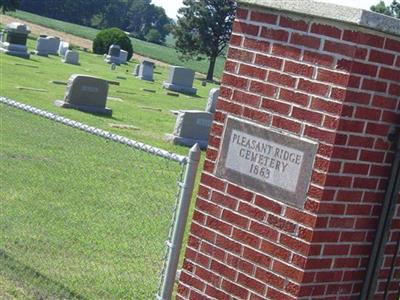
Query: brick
[326, 236]
[235, 218]
[236, 40]
[318, 263]
[274, 34]
[307, 115]
[338, 181]
[234, 81]
[264, 231]
[281, 79]
[299, 69]
[240, 193]
[262, 88]
[365, 183]
[327, 30]
[339, 222]
[330, 276]
[363, 38]
[230, 66]
[252, 72]
[381, 57]
[263, 17]
[287, 271]
[326, 106]
[213, 292]
[331, 208]
[344, 153]
[318, 58]
[256, 257]
[355, 168]
[223, 200]
[269, 61]
[275, 106]
[275, 294]
[321, 135]
[286, 124]
[256, 115]
[234, 289]
[295, 245]
[357, 67]
[305, 40]
[241, 13]
[389, 74]
[202, 232]
[241, 27]
[269, 278]
[352, 236]
[333, 77]
[367, 113]
[372, 156]
[245, 98]
[261, 46]
[345, 49]
[286, 51]
[351, 126]
[374, 85]
[300, 217]
[212, 181]
[226, 93]
[313, 87]
[281, 224]
[393, 45]
[268, 204]
[218, 225]
[228, 245]
[251, 283]
[241, 55]
[377, 129]
[331, 122]
[251, 211]
[355, 140]
[336, 249]
[294, 24]
[246, 238]
[292, 96]
[394, 90]
[228, 107]
[207, 276]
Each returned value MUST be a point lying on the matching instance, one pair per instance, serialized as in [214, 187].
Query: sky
[171, 6]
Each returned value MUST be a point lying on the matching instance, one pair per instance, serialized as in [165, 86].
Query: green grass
[165, 54]
[80, 218]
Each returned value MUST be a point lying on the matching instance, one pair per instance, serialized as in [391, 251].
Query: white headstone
[42, 46]
[146, 70]
[212, 100]
[113, 56]
[136, 70]
[123, 57]
[64, 46]
[71, 57]
[53, 44]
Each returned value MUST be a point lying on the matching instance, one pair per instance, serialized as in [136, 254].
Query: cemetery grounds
[81, 217]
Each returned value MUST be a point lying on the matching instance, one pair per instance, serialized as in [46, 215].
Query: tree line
[141, 18]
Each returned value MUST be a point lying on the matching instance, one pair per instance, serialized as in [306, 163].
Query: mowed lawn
[82, 217]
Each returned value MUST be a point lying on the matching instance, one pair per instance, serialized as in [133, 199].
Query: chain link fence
[83, 217]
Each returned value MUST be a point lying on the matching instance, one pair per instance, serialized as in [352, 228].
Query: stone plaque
[266, 161]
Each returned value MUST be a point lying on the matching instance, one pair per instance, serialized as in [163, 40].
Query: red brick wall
[321, 80]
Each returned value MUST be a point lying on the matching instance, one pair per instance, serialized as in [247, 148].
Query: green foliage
[135, 16]
[203, 29]
[153, 36]
[105, 38]
[392, 10]
[8, 5]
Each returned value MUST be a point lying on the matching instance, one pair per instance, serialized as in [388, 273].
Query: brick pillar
[319, 85]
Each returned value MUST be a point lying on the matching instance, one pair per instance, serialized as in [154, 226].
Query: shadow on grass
[40, 285]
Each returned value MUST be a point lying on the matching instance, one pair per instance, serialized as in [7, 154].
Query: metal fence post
[175, 244]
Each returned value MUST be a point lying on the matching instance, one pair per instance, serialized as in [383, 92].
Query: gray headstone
[62, 49]
[86, 93]
[191, 127]
[2, 34]
[15, 41]
[146, 70]
[71, 57]
[212, 100]
[42, 46]
[113, 55]
[53, 44]
[180, 79]
[123, 57]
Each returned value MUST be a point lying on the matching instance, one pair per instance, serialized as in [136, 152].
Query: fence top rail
[96, 131]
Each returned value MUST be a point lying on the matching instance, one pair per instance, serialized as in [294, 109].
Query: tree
[392, 10]
[153, 36]
[8, 5]
[203, 29]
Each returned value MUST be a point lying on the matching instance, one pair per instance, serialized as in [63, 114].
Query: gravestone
[180, 79]
[191, 127]
[212, 100]
[2, 34]
[71, 57]
[114, 53]
[15, 42]
[146, 70]
[42, 47]
[62, 49]
[53, 44]
[86, 93]
[123, 57]
[136, 70]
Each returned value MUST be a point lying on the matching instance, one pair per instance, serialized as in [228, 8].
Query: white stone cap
[18, 27]
[351, 15]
